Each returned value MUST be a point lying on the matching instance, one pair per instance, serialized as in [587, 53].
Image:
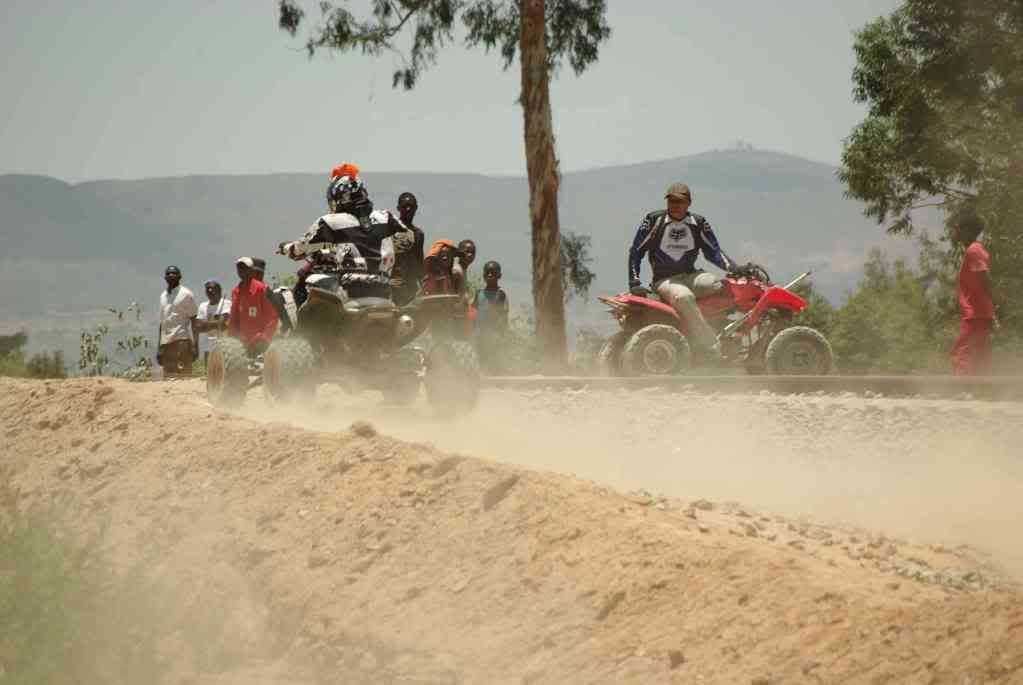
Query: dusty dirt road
[308, 549]
[941, 471]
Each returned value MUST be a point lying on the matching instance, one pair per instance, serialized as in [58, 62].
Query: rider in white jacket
[358, 236]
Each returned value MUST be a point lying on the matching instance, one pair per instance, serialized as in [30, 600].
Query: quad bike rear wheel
[227, 373]
[799, 351]
[288, 368]
[609, 359]
[452, 377]
[656, 350]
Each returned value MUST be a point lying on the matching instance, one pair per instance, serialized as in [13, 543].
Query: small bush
[40, 365]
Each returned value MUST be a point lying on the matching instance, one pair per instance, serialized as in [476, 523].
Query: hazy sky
[138, 88]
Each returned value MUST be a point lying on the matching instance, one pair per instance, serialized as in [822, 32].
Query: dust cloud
[938, 471]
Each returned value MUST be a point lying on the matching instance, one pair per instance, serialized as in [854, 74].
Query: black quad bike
[362, 342]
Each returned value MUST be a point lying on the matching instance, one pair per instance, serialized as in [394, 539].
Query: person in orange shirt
[971, 354]
[438, 264]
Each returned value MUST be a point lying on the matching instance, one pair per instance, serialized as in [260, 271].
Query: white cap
[247, 261]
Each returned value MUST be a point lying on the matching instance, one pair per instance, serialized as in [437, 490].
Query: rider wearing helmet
[672, 238]
[358, 236]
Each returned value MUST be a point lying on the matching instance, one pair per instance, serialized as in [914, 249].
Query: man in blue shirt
[672, 238]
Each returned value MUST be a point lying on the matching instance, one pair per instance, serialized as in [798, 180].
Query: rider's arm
[640, 245]
[319, 236]
[712, 249]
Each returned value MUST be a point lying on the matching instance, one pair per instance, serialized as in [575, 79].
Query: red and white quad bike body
[752, 317]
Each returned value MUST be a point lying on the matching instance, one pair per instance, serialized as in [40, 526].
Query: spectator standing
[438, 264]
[259, 274]
[179, 340]
[465, 256]
[253, 318]
[408, 252]
[971, 354]
[212, 318]
[490, 305]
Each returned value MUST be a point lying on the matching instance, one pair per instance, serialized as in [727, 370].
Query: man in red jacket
[253, 318]
[971, 354]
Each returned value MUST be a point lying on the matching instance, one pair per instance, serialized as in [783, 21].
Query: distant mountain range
[70, 250]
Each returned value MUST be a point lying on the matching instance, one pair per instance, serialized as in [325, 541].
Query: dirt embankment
[349, 556]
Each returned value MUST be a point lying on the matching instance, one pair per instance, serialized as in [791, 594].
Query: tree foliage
[887, 324]
[576, 276]
[575, 29]
[943, 81]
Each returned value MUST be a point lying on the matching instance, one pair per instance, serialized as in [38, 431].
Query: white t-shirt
[177, 309]
[209, 313]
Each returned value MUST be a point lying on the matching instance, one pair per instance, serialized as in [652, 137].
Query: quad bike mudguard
[630, 299]
[775, 297]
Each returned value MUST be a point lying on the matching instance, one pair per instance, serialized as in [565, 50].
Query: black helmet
[346, 195]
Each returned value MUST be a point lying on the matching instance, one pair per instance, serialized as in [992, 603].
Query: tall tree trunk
[542, 171]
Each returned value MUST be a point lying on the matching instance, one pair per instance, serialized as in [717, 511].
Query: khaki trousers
[681, 292]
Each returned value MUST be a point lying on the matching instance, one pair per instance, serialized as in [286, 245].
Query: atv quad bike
[752, 317]
[362, 342]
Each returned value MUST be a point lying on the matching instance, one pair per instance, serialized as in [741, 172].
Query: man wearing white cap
[253, 318]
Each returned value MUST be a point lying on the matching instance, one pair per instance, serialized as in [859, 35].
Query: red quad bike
[752, 317]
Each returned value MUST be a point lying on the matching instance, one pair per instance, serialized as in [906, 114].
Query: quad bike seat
[375, 307]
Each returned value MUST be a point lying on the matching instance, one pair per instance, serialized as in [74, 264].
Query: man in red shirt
[253, 318]
[971, 354]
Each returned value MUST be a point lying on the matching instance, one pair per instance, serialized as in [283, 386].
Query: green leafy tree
[818, 313]
[543, 34]
[576, 276]
[886, 324]
[943, 81]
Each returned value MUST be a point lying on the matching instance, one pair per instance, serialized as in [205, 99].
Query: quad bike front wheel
[799, 351]
[452, 377]
[656, 350]
[609, 359]
[227, 373]
[288, 368]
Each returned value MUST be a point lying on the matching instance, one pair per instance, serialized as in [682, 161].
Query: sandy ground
[703, 539]
[941, 471]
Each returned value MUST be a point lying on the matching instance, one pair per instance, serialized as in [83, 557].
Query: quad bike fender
[638, 301]
[775, 297]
